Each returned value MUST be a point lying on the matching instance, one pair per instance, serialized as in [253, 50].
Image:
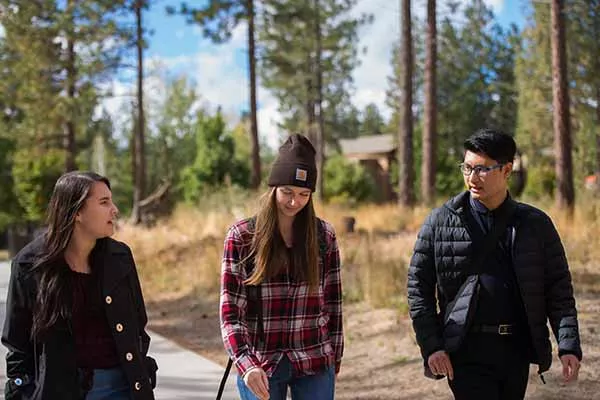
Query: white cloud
[223, 82]
[219, 80]
[268, 119]
[370, 77]
[169, 63]
[497, 5]
[121, 96]
[196, 30]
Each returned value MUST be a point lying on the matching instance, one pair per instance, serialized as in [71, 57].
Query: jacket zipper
[512, 255]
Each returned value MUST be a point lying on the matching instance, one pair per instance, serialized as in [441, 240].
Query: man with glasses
[494, 298]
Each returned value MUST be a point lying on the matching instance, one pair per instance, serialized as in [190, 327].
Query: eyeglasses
[479, 170]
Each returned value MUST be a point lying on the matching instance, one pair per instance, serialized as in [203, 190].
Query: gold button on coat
[137, 386]
[108, 299]
[129, 356]
[119, 328]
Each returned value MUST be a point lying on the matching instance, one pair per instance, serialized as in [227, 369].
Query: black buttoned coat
[47, 370]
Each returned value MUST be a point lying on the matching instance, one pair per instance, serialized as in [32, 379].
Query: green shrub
[347, 182]
[541, 181]
[35, 173]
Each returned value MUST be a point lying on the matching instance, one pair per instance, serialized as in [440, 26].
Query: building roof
[384, 143]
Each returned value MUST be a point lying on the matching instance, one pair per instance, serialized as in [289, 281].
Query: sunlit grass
[182, 255]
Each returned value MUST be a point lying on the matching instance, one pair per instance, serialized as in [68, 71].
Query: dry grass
[182, 255]
[580, 234]
[4, 255]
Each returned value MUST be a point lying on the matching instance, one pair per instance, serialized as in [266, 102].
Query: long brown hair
[53, 297]
[269, 250]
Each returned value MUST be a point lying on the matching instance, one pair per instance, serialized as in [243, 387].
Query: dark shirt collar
[478, 206]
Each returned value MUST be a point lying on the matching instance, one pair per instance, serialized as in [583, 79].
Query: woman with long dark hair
[75, 315]
[281, 293]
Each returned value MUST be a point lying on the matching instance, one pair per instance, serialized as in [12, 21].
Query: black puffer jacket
[443, 251]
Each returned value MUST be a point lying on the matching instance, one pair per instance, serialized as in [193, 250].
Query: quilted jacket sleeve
[421, 291]
[560, 303]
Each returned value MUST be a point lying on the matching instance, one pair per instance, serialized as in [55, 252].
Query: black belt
[502, 329]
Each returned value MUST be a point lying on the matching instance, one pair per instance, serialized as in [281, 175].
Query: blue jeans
[109, 384]
[308, 387]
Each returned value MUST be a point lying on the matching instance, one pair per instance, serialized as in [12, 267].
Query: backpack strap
[254, 292]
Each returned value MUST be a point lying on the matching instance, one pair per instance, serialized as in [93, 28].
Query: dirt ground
[381, 359]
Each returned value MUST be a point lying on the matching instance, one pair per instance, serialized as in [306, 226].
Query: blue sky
[219, 71]
[511, 11]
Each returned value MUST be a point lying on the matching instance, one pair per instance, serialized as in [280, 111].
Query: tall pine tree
[308, 52]
[217, 19]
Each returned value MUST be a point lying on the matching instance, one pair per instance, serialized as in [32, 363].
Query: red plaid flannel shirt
[305, 327]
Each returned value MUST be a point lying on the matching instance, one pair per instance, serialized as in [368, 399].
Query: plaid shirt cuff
[243, 376]
[246, 362]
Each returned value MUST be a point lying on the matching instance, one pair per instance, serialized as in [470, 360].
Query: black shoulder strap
[322, 237]
[489, 242]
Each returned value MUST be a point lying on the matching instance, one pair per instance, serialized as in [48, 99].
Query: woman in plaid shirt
[283, 265]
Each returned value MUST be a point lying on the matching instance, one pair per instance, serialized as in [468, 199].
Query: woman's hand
[257, 381]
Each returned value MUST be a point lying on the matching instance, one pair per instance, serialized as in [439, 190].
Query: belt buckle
[504, 329]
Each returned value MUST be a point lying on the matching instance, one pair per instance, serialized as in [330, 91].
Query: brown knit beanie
[295, 165]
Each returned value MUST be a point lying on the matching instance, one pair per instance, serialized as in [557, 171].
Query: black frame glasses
[480, 170]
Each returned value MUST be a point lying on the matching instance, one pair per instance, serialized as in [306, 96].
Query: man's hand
[257, 381]
[439, 363]
[571, 366]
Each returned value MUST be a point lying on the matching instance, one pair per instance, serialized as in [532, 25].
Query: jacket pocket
[151, 367]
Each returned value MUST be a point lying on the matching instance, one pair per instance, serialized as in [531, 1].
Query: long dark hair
[53, 299]
[268, 247]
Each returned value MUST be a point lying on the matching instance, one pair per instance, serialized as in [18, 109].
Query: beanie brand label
[301, 174]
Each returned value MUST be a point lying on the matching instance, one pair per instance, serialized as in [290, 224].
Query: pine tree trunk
[598, 128]
[565, 195]
[597, 83]
[406, 192]
[69, 127]
[428, 166]
[139, 155]
[320, 134]
[309, 105]
[255, 149]
[133, 149]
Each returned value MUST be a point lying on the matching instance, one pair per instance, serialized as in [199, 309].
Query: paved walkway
[182, 374]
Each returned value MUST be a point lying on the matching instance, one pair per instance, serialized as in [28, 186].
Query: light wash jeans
[309, 387]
